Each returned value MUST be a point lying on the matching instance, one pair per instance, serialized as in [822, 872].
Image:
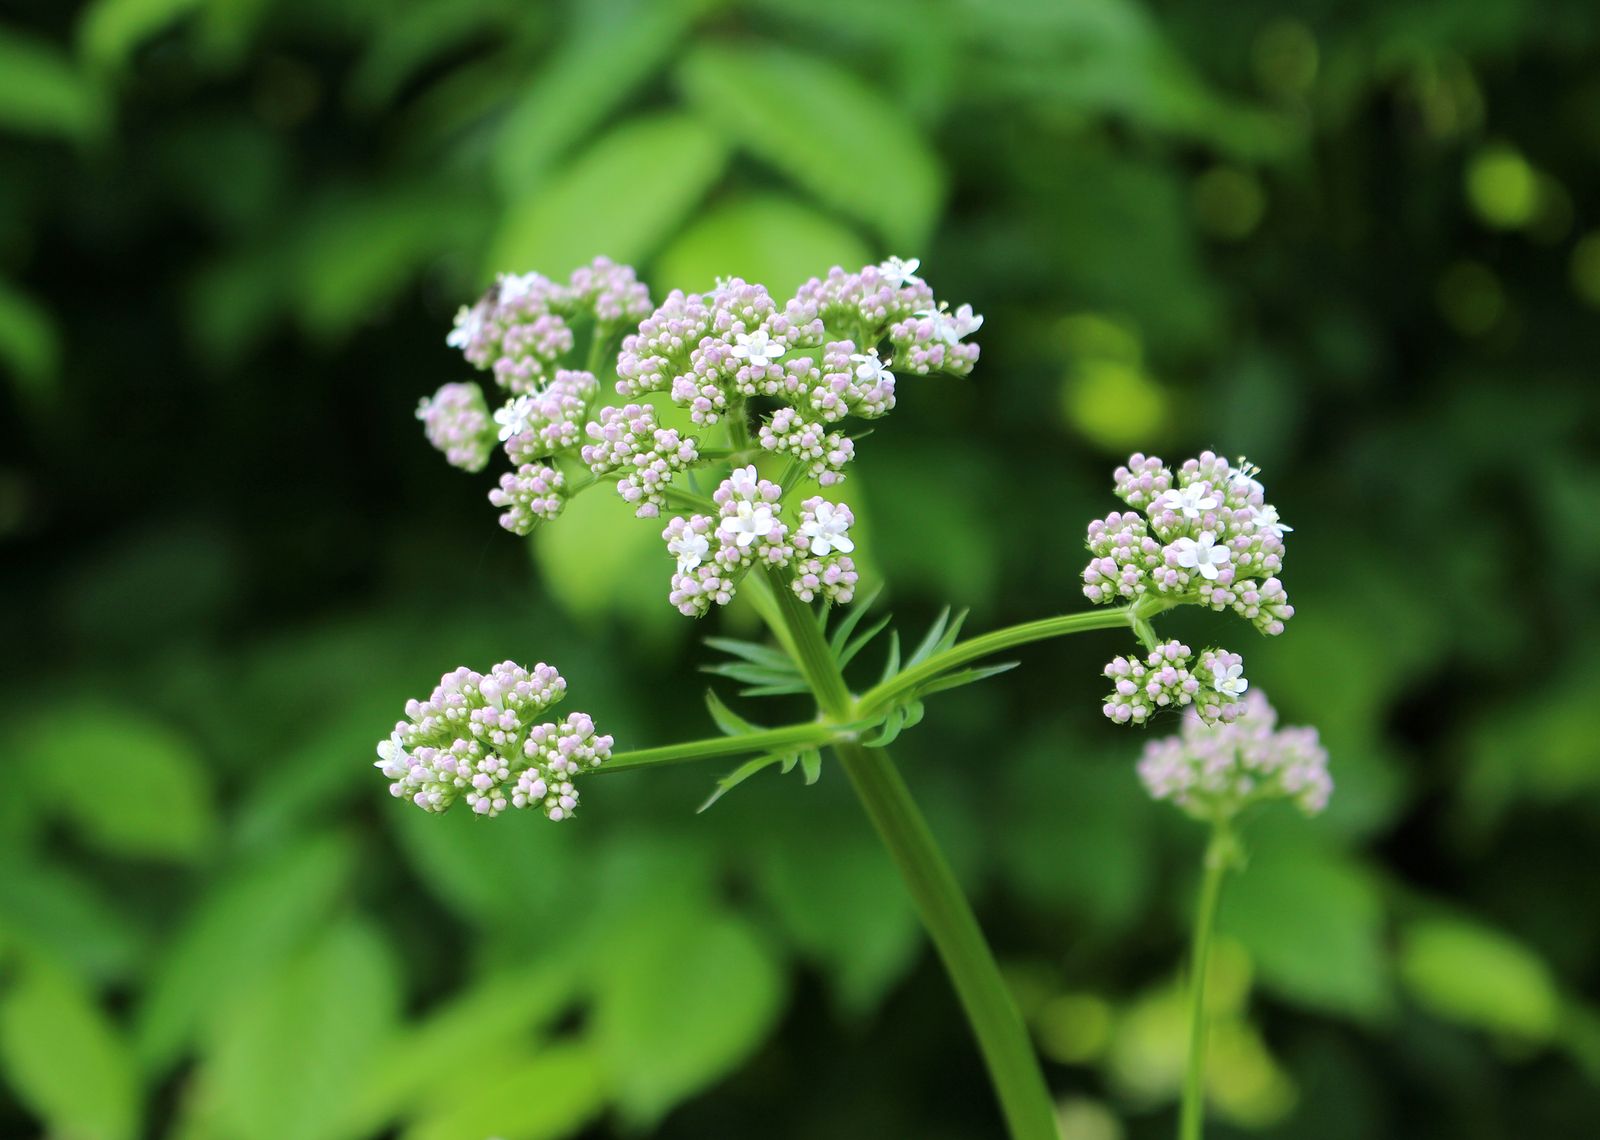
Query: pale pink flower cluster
[1213, 771]
[480, 738]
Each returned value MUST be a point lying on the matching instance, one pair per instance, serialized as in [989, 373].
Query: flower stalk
[1220, 854]
[1002, 1036]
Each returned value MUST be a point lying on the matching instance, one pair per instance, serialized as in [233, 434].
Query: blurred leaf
[622, 197]
[1471, 974]
[843, 904]
[550, 1094]
[109, 31]
[41, 93]
[286, 1059]
[599, 561]
[357, 251]
[29, 344]
[413, 36]
[1331, 955]
[592, 72]
[678, 1005]
[482, 1030]
[162, 806]
[778, 241]
[839, 138]
[249, 921]
[66, 918]
[63, 1056]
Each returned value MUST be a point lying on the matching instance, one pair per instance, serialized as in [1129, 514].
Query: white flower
[1203, 556]
[513, 418]
[870, 369]
[901, 273]
[949, 327]
[468, 322]
[827, 529]
[757, 348]
[742, 481]
[1266, 517]
[514, 288]
[1230, 681]
[690, 548]
[393, 759]
[1188, 501]
[748, 522]
[1243, 478]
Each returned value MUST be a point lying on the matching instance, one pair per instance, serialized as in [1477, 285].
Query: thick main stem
[1219, 853]
[1002, 1036]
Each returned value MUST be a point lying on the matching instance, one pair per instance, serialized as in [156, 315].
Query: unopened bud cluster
[483, 738]
[1214, 771]
[1170, 678]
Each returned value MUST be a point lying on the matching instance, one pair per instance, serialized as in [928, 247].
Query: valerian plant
[768, 394]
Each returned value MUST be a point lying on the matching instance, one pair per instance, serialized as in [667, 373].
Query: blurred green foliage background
[1356, 241]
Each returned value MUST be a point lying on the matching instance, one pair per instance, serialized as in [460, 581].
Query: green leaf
[842, 140]
[681, 1002]
[740, 774]
[811, 765]
[253, 917]
[1331, 956]
[306, 1030]
[889, 729]
[482, 1030]
[29, 345]
[965, 677]
[590, 74]
[1477, 976]
[547, 1095]
[623, 197]
[55, 914]
[110, 30]
[64, 1058]
[760, 237]
[728, 721]
[753, 652]
[42, 93]
[847, 624]
[862, 641]
[163, 805]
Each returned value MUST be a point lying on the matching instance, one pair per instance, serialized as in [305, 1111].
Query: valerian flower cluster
[1203, 535]
[1214, 771]
[482, 738]
[735, 356]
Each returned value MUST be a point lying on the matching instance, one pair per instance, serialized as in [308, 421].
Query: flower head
[901, 272]
[480, 737]
[1213, 771]
[456, 421]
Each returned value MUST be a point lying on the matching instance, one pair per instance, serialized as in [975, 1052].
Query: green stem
[1219, 854]
[814, 734]
[1002, 1036]
[883, 696]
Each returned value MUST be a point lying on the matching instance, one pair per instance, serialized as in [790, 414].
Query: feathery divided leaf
[729, 722]
[739, 775]
[847, 626]
[964, 677]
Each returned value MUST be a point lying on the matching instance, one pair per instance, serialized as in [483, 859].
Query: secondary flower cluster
[798, 367]
[1203, 534]
[481, 737]
[1166, 680]
[1215, 771]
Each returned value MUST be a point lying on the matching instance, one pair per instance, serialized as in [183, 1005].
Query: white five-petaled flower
[951, 327]
[828, 530]
[393, 759]
[1188, 501]
[1230, 681]
[744, 482]
[1267, 521]
[513, 418]
[901, 273]
[1202, 556]
[870, 369]
[690, 548]
[1243, 477]
[749, 521]
[468, 321]
[758, 348]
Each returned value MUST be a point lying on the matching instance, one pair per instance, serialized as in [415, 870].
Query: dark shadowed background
[1358, 242]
